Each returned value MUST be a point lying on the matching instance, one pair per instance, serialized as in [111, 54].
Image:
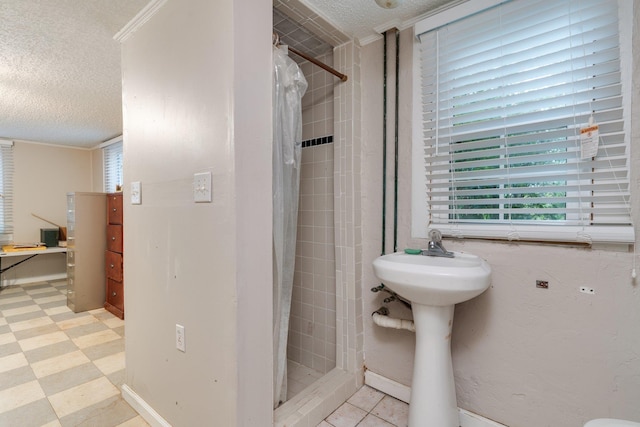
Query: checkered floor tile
[59, 368]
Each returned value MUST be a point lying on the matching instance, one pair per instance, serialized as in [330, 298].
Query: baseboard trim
[469, 419]
[387, 386]
[143, 408]
[34, 279]
[402, 392]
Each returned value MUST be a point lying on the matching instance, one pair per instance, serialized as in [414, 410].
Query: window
[112, 158]
[6, 191]
[505, 93]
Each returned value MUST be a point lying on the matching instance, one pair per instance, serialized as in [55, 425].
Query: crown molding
[139, 20]
[110, 142]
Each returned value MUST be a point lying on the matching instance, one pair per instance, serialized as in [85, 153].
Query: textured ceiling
[60, 69]
[60, 80]
[364, 20]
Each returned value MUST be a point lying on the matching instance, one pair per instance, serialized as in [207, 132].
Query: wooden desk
[29, 254]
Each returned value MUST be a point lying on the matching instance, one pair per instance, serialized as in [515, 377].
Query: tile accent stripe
[317, 141]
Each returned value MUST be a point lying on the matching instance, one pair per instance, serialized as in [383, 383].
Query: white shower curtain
[289, 86]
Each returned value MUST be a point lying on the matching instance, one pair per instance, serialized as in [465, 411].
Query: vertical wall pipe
[378, 317]
[384, 142]
[395, 167]
[384, 145]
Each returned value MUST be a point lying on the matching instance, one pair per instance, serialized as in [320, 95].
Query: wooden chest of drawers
[113, 256]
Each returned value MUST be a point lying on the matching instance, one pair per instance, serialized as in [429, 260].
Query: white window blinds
[504, 96]
[6, 191]
[112, 157]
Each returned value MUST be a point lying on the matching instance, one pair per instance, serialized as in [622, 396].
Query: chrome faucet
[435, 247]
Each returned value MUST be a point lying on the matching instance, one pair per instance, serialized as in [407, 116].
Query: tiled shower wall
[312, 328]
[317, 103]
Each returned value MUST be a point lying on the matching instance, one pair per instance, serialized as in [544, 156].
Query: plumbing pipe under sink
[381, 318]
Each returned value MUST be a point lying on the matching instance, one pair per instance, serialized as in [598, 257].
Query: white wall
[197, 88]
[522, 356]
[43, 176]
[97, 170]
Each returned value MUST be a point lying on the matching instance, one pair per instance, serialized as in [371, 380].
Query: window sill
[558, 234]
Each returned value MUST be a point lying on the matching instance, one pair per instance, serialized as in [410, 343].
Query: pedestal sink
[433, 285]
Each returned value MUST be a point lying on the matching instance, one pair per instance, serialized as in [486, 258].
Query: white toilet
[609, 422]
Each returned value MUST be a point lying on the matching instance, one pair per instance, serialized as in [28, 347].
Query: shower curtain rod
[342, 77]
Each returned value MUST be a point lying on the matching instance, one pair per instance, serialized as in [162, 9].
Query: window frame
[6, 192]
[421, 217]
[108, 150]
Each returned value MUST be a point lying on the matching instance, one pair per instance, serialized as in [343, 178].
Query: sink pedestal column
[433, 391]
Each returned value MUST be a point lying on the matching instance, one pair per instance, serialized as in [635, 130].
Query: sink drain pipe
[381, 318]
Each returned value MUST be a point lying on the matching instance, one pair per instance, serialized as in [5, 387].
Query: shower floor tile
[299, 377]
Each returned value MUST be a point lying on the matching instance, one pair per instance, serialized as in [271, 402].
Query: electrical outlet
[542, 284]
[136, 193]
[180, 342]
[202, 187]
[586, 290]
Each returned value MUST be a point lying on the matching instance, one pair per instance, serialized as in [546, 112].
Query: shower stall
[324, 333]
[304, 249]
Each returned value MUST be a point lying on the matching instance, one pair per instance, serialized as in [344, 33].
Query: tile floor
[369, 407]
[59, 368]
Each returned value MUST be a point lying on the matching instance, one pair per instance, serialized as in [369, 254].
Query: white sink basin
[433, 285]
[435, 281]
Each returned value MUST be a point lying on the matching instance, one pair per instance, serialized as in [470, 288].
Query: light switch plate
[136, 193]
[180, 338]
[202, 187]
